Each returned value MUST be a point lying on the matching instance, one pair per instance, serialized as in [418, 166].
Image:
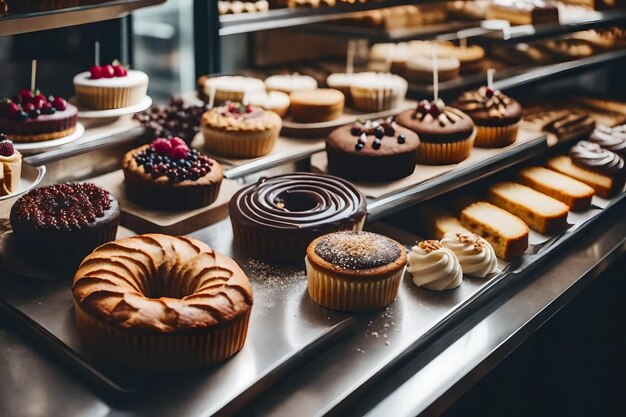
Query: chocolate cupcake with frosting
[446, 133]
[611, 138]
[354, 271]
[497, 116]
[374, 151]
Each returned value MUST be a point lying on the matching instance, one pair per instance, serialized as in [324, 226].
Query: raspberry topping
[107, 71]
[174, 159]
[29, 105]
[70, 206]
[6, 146]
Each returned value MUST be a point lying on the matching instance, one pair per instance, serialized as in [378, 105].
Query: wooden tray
[144, 220]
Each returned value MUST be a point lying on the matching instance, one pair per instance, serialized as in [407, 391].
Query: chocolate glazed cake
[276, 218]
[62, 223]
[376, 151]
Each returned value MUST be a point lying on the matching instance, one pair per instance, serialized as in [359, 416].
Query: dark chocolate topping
[70, 206]
[298, 201]
[486, 103]
[611, 138]
[591, 156]
[570, 123]
[357, 250]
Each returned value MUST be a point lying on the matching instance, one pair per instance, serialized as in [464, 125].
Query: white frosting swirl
[474, 253]
[434, 267]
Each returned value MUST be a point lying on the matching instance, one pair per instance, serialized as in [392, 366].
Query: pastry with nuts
[374, 150]
[476, 256]
[446, 133]
[169, 175]
[434, 266]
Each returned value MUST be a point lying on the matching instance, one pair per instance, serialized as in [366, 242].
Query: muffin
[476, 256]
[446, 134]
[611, 138]
[110, 87]
[434, 267]
[34, 117]
[275, 219]
[288, 83]
[378, 92]
[375, 150]
[314, 106]
[11, 166]
[60, 224]
[168, 175]
[496, 116]
[240, 131]
[342, 81]
[228, 88]
[275, 101]
[354, 271]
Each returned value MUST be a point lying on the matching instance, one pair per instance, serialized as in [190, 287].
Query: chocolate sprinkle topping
[357, 250]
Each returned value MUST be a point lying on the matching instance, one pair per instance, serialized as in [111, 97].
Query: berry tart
[497, 117]
[375, 150]
[354, 271]
[446, 134]
[33, 117]
[11, 163]
[240, 131]
[62, 223]
[275, 219]
[110, 87]
[167, 174]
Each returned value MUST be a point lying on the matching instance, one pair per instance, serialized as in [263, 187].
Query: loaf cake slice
[436, 221]
[539, 211]
[604, 185]
[507, 233]
[577, 195]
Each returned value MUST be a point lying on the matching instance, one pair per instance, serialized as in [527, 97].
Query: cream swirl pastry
[475, 254]
[434, 267]
[591, 156]
[611, 138]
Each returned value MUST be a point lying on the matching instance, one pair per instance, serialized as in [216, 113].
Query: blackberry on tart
[374, 150]
[62, 223]
[169, 175]
[33, 117]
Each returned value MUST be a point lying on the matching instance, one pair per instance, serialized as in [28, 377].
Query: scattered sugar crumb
[375, 334]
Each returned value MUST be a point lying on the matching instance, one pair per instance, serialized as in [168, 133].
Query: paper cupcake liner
[239, 144]
[106, 98]
[445, 153]
[280, 247]
[337, 292]
[496, 136]
[375, 100]
[138, 349]
[171, 197]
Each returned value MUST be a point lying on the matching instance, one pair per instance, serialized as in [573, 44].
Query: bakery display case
[349, 208]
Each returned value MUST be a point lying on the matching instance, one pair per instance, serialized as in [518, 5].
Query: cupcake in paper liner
[354, 271]
[374, 92]
[497, 116]
[110, 87]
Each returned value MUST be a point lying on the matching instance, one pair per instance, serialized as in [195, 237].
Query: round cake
[33, 117]
[276, 101]
[155, 302]
[374, 92]
[496, 116]
[62, 223]
[10, 166]
[446, 134]
[314, 106]
[275, 219]
[420, 68]
[288, 83]
[228, 87]
[167, 174]
[240, 131]
[110, 87]
[375, 151]
[354, 271]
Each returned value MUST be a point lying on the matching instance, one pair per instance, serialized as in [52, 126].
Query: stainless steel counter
[427, 381]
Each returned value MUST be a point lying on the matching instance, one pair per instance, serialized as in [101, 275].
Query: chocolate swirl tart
[497, 116]
[354, 271]
[375, 151]
[276, 218]
[446, 133]
[597, 167]
[611, 138]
